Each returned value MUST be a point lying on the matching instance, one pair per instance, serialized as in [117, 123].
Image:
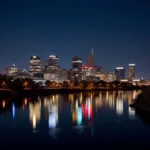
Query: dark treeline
[21, 84]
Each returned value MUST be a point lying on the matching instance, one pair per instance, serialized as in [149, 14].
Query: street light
[25, 84]
[3, 84]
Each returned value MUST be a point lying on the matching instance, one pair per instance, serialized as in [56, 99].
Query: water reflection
[4, 103]
[84, 109]
[119, 104]
[35, 113]
[13, 110]
[53, 115]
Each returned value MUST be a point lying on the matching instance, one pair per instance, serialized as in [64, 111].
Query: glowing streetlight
[3, 84]
[3, 103]
[25, 84]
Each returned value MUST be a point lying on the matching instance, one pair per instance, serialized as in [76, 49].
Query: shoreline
[47, 91]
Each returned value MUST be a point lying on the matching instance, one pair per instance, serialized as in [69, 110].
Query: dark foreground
[81, 120]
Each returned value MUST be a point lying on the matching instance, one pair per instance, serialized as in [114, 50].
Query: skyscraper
[52, 63]
[91, 63]
[35, 65]
[120, 73]
[76, 71]
[90, 60]
[131, 72]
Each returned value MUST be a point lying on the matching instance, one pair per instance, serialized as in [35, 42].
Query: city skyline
[117, 30]
[42, 64]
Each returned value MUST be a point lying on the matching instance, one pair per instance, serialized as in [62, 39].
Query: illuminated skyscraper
[52, 63]
[35, 65]
[76, 71]
[90, 60]
[51, 68]
[131, 72]
[91, 63]
[120, 73]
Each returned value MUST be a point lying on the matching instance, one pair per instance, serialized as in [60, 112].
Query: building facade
[52, 63]
[11, 71]
[90, 60]
[35, 65]
[120, 73]
[108, 77]
[91, 63]
[76, 70]
[131, 72]
[86, 71]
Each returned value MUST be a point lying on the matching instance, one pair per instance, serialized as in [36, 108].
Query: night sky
[118, 30]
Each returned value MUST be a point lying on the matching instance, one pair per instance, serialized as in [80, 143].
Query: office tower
[86, 71]
[120, 73]
[91, 63]
[52, 63]
[76, 71]
[11, 71]
[53, 71]
[90, 60]
[35, 65]
[131, 72]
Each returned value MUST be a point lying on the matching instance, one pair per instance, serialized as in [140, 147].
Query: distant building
[86, 71]
[21, 75]
[90, 60]
[108, 77]
[76, 70]
[10, 71]
[39, 75]
[62, 75]
[52, 63]
[131, 72]
[92, 78]
[59, 75]
[35, 65]
[102, 76]
[51, 75]
[91, 63]
[120, 73]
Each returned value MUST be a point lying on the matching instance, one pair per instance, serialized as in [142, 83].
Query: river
[101, 119]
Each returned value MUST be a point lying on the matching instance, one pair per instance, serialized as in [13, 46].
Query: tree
[17, 85]
[115, 84]
[28, 83]
[47, 83]
[83, 84]
[65, 84]
[102, 83]
[76, 83]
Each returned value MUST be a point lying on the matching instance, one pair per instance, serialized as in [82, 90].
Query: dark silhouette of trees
[47, 83]
[102, 83]
[65, 84]
[17, 85]
[83, 84]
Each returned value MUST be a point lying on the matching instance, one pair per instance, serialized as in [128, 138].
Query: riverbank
[47, 91]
